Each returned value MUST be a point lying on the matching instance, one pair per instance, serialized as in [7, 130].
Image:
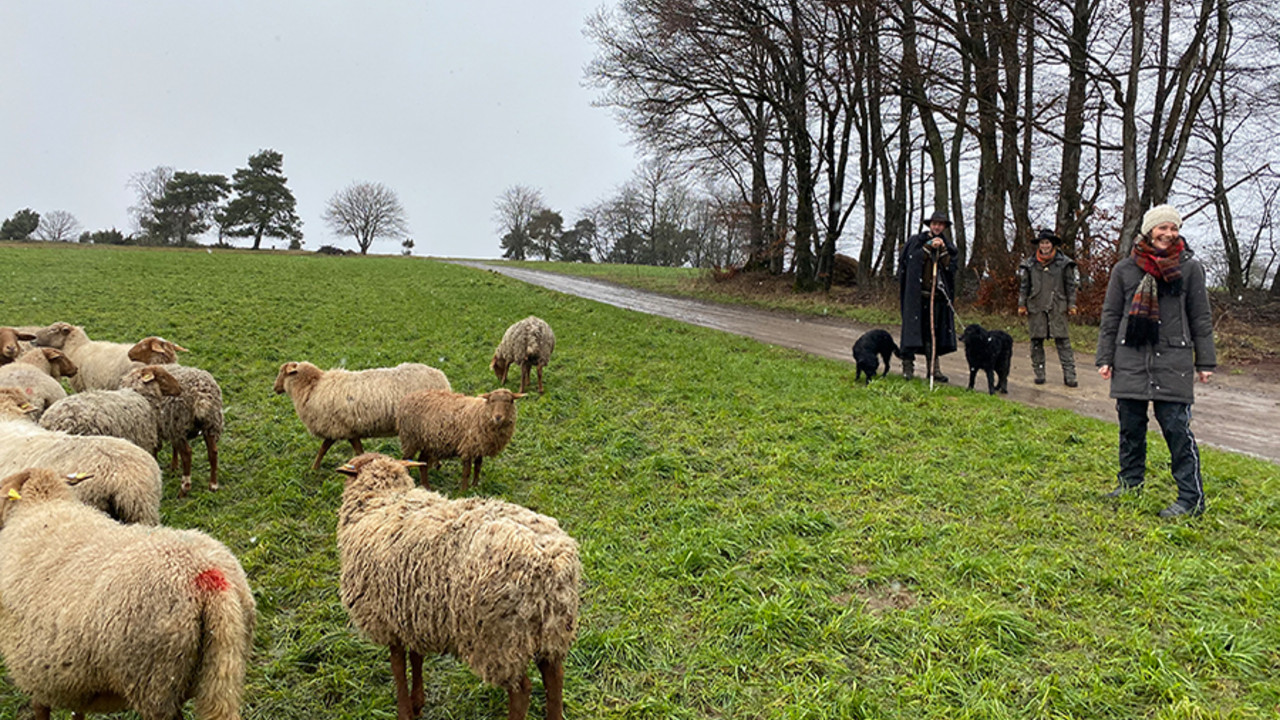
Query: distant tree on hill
[366, 211]
[512, 211]
[148, 186]
[186, 208]
[57, 226]
[263, 205]
[574, 244]
[20, 226]
[545, 229]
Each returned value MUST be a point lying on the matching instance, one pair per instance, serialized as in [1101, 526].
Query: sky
[447, 103]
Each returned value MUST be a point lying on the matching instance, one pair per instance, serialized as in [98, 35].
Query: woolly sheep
[12, 343]
[102, 364]
[344, 405]
[527, 343]
[103, 617]
[196, 412]
[36, 373]
[126, 479]
[492, 583]
[437, 424]
[131, 413]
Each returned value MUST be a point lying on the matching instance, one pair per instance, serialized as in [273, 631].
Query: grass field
[761, 538]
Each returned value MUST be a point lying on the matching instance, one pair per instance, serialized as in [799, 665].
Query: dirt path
[1231, 412]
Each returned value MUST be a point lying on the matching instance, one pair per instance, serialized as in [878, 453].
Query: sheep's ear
[77, 478]
[26, 336]
[290, 368]
[147, 376]
[412, 464]
[14, 494]
[348, 469]
[179, 348]
[27, 408]
[517, 396]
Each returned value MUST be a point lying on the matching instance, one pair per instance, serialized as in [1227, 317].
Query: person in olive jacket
[1154, 341]
[1046, 296]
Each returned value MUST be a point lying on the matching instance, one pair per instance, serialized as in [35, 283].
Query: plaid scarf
[1046, 259]
[1144, 310]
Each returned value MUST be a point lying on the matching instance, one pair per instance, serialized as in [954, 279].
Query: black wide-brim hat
[938, 217]
[1046, 234]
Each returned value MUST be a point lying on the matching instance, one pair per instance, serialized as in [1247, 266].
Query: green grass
[761, 537]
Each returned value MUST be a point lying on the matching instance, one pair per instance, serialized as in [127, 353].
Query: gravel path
[1234, 413]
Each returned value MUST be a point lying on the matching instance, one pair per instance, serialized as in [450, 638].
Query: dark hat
[938, 217]
[1046, 234]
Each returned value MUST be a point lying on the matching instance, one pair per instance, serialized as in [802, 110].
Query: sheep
[131, 413]
[126, 479]
[13, 343]
[103, 617]
[492, 583]
[36, 372]
[196, 412]
[102, 364]
[527, 343]
[343, 405]
[438, 424]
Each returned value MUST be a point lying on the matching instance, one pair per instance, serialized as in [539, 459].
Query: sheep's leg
[466, 474]
[324, 448]
[418, 696]
[357, 446]
[185, 449]
[553, 683]
[539, 378]
[518, 699]
[524, 376]
[173, 458]
[42, 711]
[475, 476]
[426, 461]
[211, 448]
[404, 710]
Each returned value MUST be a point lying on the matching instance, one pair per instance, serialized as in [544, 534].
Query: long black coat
[912, 301]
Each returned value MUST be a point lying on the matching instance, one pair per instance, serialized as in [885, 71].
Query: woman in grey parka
[1155, 340]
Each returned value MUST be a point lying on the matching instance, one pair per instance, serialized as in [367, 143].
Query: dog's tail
[897, 352]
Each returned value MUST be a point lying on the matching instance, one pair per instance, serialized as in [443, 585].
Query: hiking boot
[1071, 383]
[908, 368]
[939, 377]
[1122, 490]
[1177, 509]
[1040, 381]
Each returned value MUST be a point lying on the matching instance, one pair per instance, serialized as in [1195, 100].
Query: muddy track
[1231, 412]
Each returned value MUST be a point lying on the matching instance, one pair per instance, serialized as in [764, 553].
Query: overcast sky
[448, 103]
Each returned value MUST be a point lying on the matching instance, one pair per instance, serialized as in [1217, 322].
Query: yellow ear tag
[13, 495]
[148, 377]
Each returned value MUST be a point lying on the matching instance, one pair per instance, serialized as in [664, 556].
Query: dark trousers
[1175, 423]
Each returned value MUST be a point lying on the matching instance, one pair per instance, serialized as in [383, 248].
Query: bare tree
[366, 211]
[58, 226]
[512, 212]
[149, 187]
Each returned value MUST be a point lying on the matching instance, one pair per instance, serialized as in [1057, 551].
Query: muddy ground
[1235, 411]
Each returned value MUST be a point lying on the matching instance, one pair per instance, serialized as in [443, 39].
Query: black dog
[990, 351]
[869, 349]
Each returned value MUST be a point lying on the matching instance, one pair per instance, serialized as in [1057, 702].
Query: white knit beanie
[1160, 214]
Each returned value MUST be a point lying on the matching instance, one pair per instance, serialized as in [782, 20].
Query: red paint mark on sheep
[212, 580]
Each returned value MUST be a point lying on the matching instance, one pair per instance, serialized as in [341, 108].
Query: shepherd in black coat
[927, 258]
[989, 351]
[870, 349]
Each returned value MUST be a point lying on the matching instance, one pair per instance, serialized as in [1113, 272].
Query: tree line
[175, 207]
[833, 122]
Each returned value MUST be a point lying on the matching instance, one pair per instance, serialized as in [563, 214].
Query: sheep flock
[82, 426]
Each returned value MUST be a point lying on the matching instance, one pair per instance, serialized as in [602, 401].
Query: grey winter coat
[1047, 292]
[1166, 370]
[913, 297]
